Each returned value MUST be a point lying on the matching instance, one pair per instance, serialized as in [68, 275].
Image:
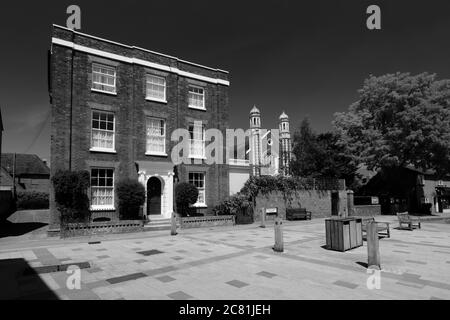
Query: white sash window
[156, 88]
[103, 78]
[197, 140]
[196, 98]
[102, 189]
[103, 131]
[198, 180]
[156, 136]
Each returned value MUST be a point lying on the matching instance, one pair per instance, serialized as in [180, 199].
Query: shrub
[186, 194]
[32, 200]
[237, 205]
[71, 195]
[131, 195]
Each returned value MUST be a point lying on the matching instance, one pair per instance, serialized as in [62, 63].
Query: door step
[158, 224]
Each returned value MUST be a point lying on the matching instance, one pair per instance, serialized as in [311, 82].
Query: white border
[141, 62]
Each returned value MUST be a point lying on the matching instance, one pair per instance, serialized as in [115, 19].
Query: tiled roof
[25, 164]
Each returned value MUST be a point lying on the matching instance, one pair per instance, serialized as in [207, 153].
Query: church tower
[255, 141]
[285, 145]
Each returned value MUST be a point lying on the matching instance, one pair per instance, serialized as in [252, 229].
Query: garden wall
[98, 228]
[208, 221]
[367, 211]
[316, 201]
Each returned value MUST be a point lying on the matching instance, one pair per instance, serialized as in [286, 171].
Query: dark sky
[308, 58]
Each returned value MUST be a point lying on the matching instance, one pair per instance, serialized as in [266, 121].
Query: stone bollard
[263, 217]
[373, 246]
[173, 227]
[278, 247]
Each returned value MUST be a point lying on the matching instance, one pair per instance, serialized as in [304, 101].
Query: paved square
[218, 263]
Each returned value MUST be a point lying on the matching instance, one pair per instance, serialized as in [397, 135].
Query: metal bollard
[263, 217]
[173, 228]
[373, 246]
[278, 247]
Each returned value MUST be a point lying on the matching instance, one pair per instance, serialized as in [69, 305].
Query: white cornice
[141, 62]
[138, 48]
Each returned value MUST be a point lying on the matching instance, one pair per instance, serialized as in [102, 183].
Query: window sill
[200, 206]
[97, 209]
[155, 100]
[102, 91]
[156, 154]
[197, 108]
[103, 150]
[197, 157]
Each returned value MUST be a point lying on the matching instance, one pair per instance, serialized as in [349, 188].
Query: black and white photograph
[243, 152]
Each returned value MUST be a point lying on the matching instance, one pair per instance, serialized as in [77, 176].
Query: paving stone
[140, 261]
[180, 295]
[103, 257]
[77, 249]
[177, 258]
[128, 277]
[166, 279]
[101, 250]
[150, 252]
[94, 270]
[410, 284]
[345, 284]
[237, 284]
[416, 262]
[266, 274]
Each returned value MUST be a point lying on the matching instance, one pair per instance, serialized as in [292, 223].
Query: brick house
[31, 172]
[114, 108]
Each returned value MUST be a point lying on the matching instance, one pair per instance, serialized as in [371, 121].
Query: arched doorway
[154, 191]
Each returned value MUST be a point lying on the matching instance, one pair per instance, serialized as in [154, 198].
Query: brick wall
[316, 201]
[71, 80]
[367, 211]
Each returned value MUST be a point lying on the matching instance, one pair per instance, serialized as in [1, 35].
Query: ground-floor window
[198, 180]
[102, 189]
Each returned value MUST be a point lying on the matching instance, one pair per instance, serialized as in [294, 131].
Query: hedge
[32, 200]
[131, 195]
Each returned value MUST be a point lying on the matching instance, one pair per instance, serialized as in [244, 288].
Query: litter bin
[343, 234]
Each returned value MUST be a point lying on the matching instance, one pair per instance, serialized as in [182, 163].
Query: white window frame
[202, 142]
[155, 153]
[98, 65]
[107, 206]
[99, 149]
[147, 97]
[201, 191]
[203, 95]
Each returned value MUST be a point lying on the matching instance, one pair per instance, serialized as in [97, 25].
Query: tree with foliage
[321, 156]
[399, 120]
[186, 194]
[71, 195]
[131, 196]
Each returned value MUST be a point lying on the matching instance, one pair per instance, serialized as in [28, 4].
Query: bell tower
[285, 145]
[255, 141]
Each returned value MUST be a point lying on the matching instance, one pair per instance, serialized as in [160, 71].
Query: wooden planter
[343, 234]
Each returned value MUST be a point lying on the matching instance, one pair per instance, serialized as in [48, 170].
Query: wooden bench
[382, 227]
[406, 219]
[297, 214]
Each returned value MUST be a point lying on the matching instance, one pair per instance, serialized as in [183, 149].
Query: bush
[131, 195]
[237, 205]
[32, 200]
[186, 194]
[71, 195]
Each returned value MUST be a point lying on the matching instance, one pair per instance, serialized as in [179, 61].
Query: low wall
[208, 221]
[98, 228]
[316, 201]
[367, 211]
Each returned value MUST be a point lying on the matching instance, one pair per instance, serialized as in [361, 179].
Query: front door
[154, 196]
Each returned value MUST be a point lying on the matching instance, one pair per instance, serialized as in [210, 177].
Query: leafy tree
[399, 120]
[320, 156]
[131, 196]
[186, 194]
